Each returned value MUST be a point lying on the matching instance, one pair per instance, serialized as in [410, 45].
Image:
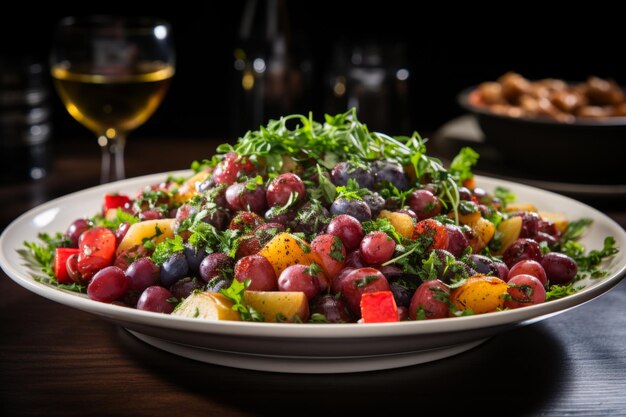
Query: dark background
[446, 51]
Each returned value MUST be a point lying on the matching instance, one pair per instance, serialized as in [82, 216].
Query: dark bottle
[25, 127]
[271, 76]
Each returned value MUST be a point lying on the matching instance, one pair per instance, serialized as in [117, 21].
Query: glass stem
[112, 158]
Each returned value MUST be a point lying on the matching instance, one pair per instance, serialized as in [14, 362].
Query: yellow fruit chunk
[484, 229]
[511, 207]
[481, 294]
[207, 305]
[155, 230]
[279, 306]
[510, 229]
[189, 188]
[560, 221]
[402, 222]
[285, 250]
[469, 219]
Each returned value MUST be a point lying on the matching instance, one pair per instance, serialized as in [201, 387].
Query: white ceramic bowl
[306, 348]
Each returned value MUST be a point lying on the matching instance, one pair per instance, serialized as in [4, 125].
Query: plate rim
[305, 330]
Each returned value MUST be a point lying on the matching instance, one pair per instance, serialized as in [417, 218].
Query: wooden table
[58, 361]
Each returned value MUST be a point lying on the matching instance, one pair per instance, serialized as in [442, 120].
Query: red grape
[424, 203]
[528, 267]
[348, 229]
[259, 271]
[525, 290]
[377, 247]
[108, 285]
[431, 300]
[308, 279]
[331, 252]
[361, 281]
[282, 187]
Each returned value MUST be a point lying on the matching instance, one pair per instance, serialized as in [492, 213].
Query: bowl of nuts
[557, 128]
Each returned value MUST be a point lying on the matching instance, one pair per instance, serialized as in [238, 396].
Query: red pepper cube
[113, 201]
[60, 264]
[378, 307]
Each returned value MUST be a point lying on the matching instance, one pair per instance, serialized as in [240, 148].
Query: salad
[303, 221]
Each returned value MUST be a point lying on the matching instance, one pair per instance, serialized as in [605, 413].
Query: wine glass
[111, 74]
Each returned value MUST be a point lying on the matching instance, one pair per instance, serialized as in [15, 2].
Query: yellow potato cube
[207, 305]
[285, 250]
[481, 294]
[279, 306]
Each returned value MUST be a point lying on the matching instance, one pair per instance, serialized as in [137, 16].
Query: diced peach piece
[511, 207]
[560, 221]
[157, 230]
[480, 294]
[402, 222]
[279, 306]
[510, 229]
[285, 250]
[189, 188]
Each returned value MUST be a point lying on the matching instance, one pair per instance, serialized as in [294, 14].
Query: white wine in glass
[112, 73]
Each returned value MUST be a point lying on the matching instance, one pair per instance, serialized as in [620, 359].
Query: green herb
[587, 263]
[329, 192]
[463, 163]
[167, 248]
[504, 195]
[365, 281]
[120, 217]
[560, 291]
[235, 293]
[336, 247]
[383, 225]
[351, 191]
[318, 318]
[575, 229]
[43, 254]
[420, 313]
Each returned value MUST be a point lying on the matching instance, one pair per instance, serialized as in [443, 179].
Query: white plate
[308, 348]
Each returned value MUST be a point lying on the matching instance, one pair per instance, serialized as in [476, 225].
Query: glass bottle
[270, 79]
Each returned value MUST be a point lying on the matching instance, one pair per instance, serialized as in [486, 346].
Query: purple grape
[76, 229]
[142, 273]
[184, 287]
[559, 268]
[194, 257]
[344, 171]
[457, 242]
[424, 203]
[390, 171]
[174, 268]
[214, 264]
[332, 308]
[156, 299]
[522, 249]
[355, 208]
